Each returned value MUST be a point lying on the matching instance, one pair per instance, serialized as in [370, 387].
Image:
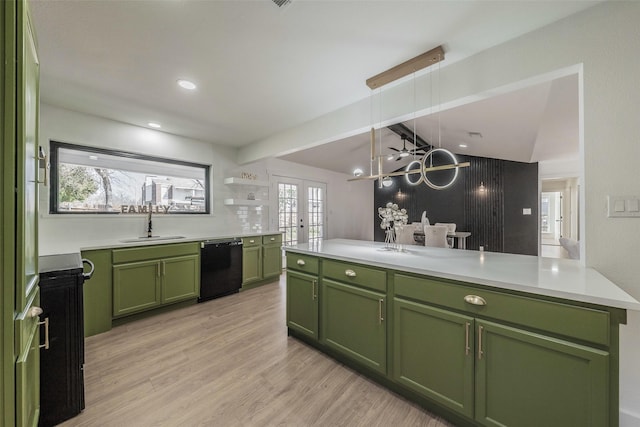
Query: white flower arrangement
[392, 216]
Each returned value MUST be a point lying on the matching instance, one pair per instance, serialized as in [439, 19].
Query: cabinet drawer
[154, 252]
[563, 319]
[305, 263]
[251, 241]
[272, 239]
[355, 274]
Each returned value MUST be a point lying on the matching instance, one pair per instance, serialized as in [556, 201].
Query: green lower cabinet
[529, 380]
[354, 323]
[136, 287]
[271, 261]
[140, 286]
[433, 354]
[302, 303]
[180, 278]
[27, 367]
[251, 264]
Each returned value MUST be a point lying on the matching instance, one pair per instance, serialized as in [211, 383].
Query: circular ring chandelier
[423, 173]
[419, 181]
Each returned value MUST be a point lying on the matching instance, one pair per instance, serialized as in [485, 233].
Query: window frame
[54, 146]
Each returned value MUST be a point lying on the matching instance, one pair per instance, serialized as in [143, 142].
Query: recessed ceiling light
[462, 145]
[357, 172]
[92, 157]
[154, 125]
[186, 84]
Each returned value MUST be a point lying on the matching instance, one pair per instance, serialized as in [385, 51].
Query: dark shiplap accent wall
[494, 218]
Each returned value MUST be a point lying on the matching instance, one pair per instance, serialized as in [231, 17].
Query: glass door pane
[315, 212]
[288, 212]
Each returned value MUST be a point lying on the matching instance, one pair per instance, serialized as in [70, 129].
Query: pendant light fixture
[411, 66]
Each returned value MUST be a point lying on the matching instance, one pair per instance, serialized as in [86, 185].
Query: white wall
[601, 43]
[67, 233]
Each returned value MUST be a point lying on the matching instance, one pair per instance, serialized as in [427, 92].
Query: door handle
[46, 333]
[467, 348]
[380, 316]
[314, 294]
[35, 312]
[480, 352]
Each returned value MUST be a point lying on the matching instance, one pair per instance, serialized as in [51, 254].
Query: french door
[551, 217]
[301, 214]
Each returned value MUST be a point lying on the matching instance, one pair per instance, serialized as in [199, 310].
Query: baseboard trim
[629, 419]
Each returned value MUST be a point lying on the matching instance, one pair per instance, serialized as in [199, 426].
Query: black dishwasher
[220, 268]
[62, 353]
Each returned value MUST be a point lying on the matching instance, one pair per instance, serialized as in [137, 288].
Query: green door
[353, 323]
[433, 354]
[529, 380]
[180, 278]
[302, 303]
[136, 287]
[20, 377]
[271, 261]
[251, 264]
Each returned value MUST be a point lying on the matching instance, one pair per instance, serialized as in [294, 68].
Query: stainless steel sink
[152, 238]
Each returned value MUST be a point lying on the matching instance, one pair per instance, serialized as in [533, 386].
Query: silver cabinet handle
[252, 241]
[475, 300]
[158, 268]
[46, 333]
[35, 312]
[87, 276]
[164, 268]
[467, 348]
[273, 239]
[300, 262]
[480, 352]
[380, 316]
[350, 273]
[314, 294]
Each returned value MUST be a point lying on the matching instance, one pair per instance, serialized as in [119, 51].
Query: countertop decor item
[393, 218]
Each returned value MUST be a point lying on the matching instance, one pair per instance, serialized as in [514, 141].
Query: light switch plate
[623, 207]
[526, 211]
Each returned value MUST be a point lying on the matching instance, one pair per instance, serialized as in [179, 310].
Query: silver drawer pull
[475, 300]
[252, 241]
[350, 273]
[46, 333]
[300, 262]
[273, 239]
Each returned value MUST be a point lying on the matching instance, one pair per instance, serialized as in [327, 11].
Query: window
[96, 180]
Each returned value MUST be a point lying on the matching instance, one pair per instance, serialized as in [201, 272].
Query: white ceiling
[259, 69]
[533, 124]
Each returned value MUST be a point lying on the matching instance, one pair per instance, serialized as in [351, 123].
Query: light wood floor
[229, 362]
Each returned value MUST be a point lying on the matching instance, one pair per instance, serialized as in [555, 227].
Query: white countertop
[119, 243]
[561, 278]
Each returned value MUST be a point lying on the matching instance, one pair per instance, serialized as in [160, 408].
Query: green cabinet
[353, 323]
[136, 287]
[433, 354]
[302, 303]
[19, 179]
[148, 277]
[527, 379]
[491, 357]
[251, 264]
[261, 259]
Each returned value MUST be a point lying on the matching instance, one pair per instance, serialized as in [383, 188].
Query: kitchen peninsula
[481, 338]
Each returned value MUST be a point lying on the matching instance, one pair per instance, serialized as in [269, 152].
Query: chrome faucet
[149, 225]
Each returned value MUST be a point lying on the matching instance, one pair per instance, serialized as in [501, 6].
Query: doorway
[558, 215]
[301, 210]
